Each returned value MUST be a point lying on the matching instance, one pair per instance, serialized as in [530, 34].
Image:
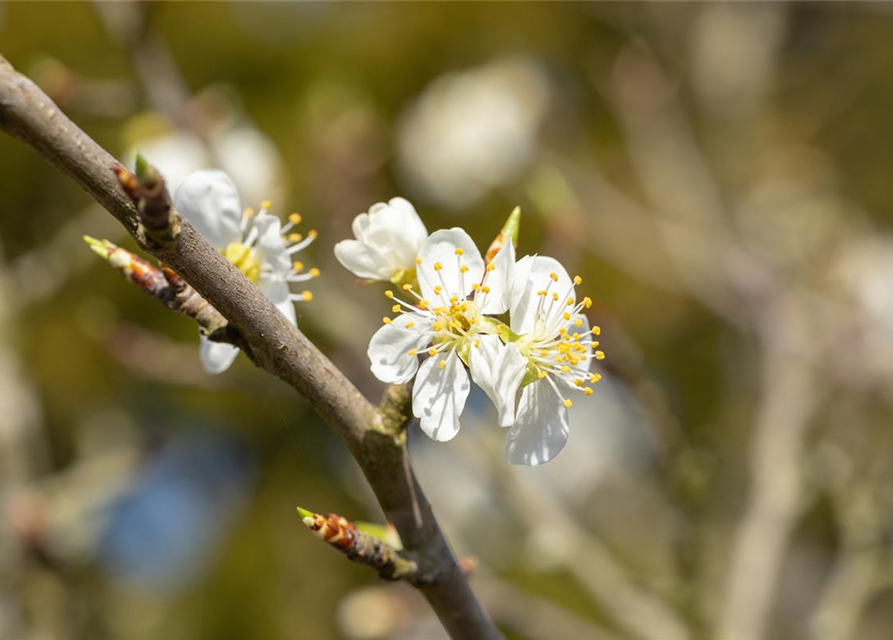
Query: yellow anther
[554, 276]
[441, 364]
[266, 204]
[485, 289]
[541, 292]
[578, 280]
[410, 324]
[386, 320]
[438, 266]
[595, 377]
[578, 382]
[418, 261]
[437, 289]
[439, 326]
[423, 304]
[555, 297]
[596, 331]
[578, 322]
[459, 251]
[594, 344]
[294, 237]
[395, 308]
[588, 391]
[248, 213]
[599, 355]
[463, 268]
[565, 369]
[587, 302]
[432, 351]
[491, 266]
[388, 294]
[312, 234]
[477, 343]
[570, 302]
[568, 403]
[412, 352]
[314, 273]
[566, 315]
[541, 375]
[295, 218]
[475, 287]
[307, 296]
[298, 266]
[455, 299]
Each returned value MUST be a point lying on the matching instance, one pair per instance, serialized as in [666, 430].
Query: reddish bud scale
[128, 182]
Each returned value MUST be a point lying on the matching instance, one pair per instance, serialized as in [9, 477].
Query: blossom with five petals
[257, 244]
[554, 338]
[447, 320]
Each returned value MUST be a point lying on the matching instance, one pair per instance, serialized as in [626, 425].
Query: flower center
[244, 259]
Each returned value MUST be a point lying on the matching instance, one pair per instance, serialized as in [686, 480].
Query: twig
[272, 343]
[359, 546]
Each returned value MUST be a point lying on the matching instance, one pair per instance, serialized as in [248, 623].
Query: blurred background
[719, 174]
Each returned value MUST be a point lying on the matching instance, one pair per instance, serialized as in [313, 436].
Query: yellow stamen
[578, 280]
[248, 213]
[410, 324]
[295, 237]
[407, 287]
[568, 403]
[491, 266]
[554, 276]
[388, 294]
[441, 364]
[412, 352]
[438, 266]
[432, 351]
[599, 355]
[588, 391]
[386, 320]
[459, 251]
[418, 261]
[395, 308]
[298, 266]
[314, 273]
[307, 296]
[295, 218]
[596, 331]
[266, 204]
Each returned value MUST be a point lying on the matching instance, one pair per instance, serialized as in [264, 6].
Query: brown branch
[272, 343]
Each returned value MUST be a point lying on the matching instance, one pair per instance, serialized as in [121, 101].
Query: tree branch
[274, 344]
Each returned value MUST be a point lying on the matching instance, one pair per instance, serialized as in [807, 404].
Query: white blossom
[446, 319]
[256, 243]
[388, 240]
[554, 337]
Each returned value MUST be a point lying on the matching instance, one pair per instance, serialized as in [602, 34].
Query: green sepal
[385, 533]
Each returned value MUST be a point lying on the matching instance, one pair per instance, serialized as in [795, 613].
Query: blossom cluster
[447, 328]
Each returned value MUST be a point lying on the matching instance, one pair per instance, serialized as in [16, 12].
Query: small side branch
[359, 546]
[161, 283]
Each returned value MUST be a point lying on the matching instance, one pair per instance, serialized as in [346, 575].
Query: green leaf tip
[305, 514]
[145, 172]
[102, 248]
[512, 226]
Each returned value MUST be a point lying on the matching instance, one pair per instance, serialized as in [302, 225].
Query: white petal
[500, 282]
[209, 200]
[390, 346]
[360, 227]
[533, 274]
[441, 247]
[438, 396]
[276, 289]
[272, 251]
[363, 261]
[216, 357]
[541, 426]
[394, 232]
[414, 231]
[498, 369]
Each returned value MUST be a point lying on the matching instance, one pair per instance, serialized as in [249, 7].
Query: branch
[272, 343]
